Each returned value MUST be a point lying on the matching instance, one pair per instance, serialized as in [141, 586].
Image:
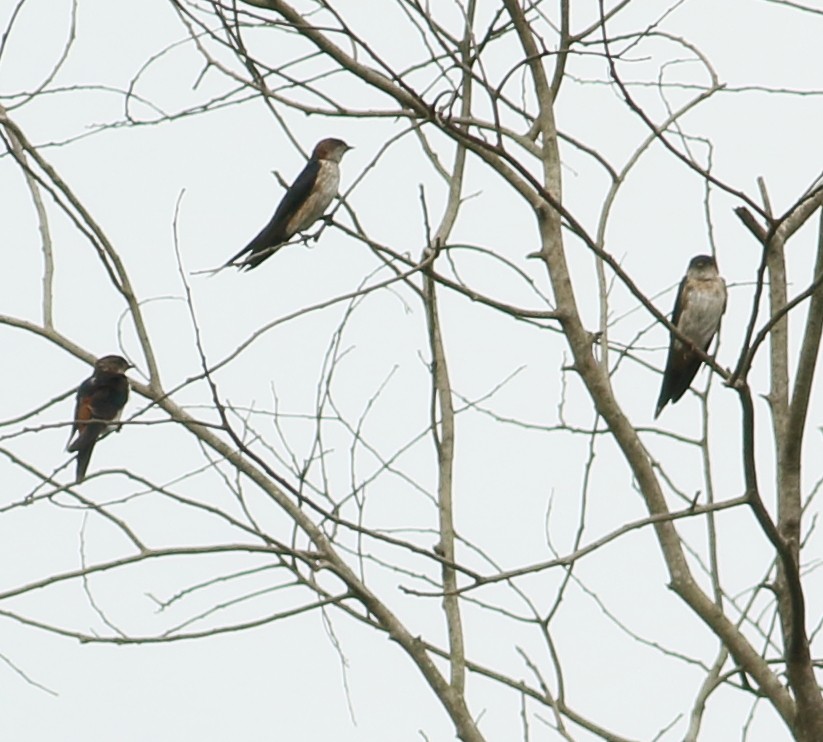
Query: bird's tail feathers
[83, 459]
[258, 257]
[233, 260]
[88, 435]
[263, 246]
[83, 445]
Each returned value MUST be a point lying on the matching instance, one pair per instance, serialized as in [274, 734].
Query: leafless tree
[481, 483]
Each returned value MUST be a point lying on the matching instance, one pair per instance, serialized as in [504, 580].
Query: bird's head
[112, 365]
[702, 266]
[330, 149]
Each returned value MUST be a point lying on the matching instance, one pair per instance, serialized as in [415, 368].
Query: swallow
[303, 204]
[700, 303]
[100, 400]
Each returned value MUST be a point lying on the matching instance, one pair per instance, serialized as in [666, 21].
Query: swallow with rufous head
[304, 203]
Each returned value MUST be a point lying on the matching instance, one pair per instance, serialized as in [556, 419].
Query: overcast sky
[516, 487]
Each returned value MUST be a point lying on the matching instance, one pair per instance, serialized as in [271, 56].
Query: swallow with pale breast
[303, 204]
[100, 400]
[700, 303]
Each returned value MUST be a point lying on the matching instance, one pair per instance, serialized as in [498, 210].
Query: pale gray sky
[284, 681]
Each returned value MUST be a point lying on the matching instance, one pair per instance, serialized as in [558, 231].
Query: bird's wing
[681, 367]
[109, 398]
[297, 193]
[681, 301]
[82, 409]
[97, 401]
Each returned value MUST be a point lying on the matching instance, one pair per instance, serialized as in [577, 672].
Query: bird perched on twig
[100, 400]
[700, 303]
[303, 204]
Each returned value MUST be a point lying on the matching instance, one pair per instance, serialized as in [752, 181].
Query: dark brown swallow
[100, 400]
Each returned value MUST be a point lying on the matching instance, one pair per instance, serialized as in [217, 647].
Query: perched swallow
[700, 303]
[100, 400]
[304, 203]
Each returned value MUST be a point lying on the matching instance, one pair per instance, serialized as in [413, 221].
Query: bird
[303, 204]
[700, 304]
[100, 400]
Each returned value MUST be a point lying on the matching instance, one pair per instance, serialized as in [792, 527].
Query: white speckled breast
[325, 189]
[706, 303]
